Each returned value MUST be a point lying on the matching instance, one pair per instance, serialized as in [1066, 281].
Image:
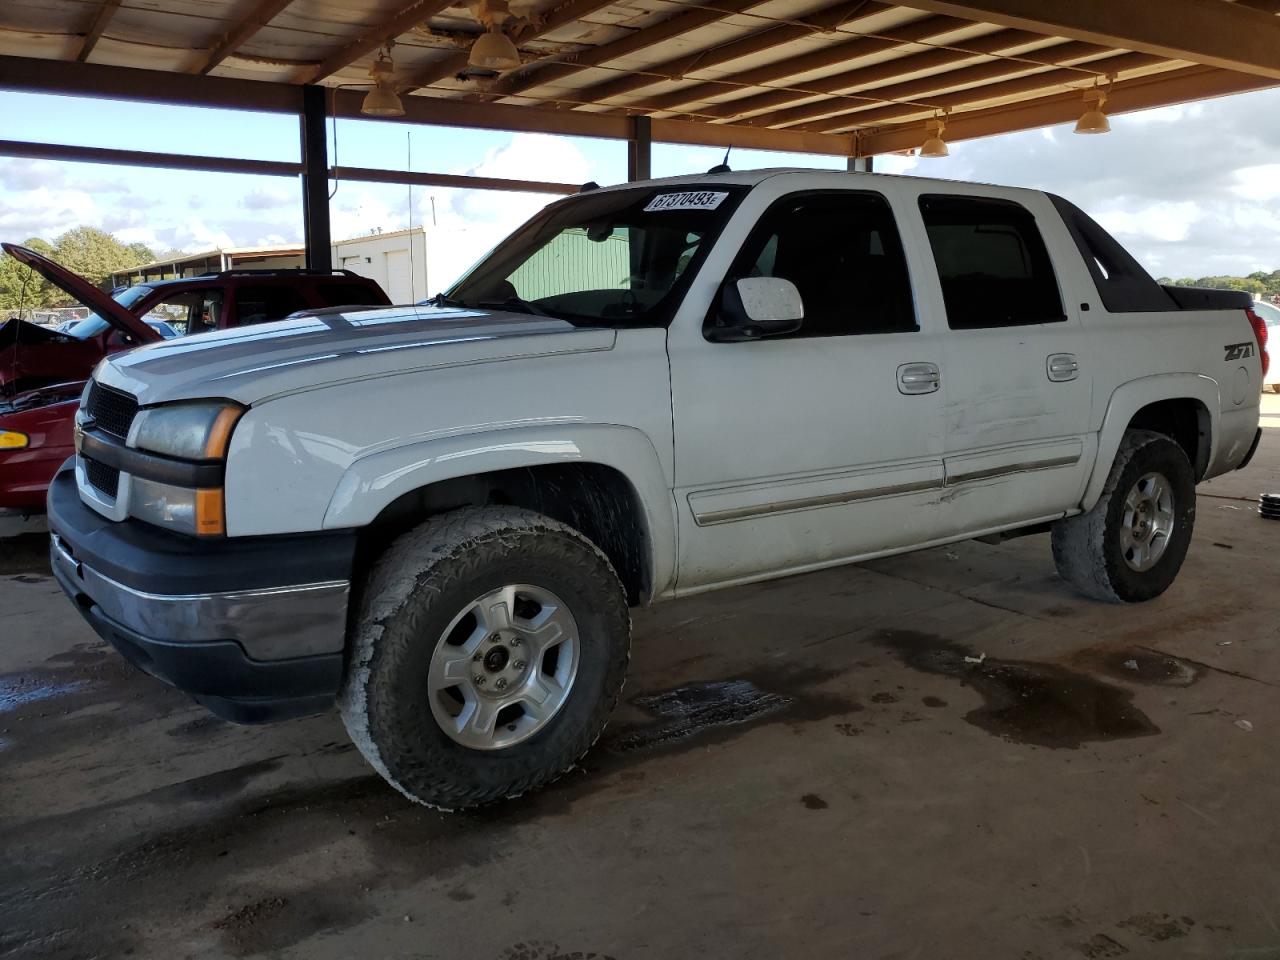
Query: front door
[804, 450]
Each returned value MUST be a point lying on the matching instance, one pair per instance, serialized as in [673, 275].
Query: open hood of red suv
[81, 289]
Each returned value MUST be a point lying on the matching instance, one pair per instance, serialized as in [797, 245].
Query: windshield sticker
[697, 200]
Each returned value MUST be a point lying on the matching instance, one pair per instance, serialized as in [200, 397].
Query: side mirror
[756, 307]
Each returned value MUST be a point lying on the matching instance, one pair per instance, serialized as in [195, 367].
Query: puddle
[1034, 703]
[694, 708]
[19, 691]
[1142, 666]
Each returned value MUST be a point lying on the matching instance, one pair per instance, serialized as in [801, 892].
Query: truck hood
[82, 290]
[321, 348]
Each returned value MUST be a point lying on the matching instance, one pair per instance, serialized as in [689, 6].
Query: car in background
[33, 356]
[162, 328]
[42, 371]
[1270, 315]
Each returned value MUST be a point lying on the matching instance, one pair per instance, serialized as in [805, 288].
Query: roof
[851, 76]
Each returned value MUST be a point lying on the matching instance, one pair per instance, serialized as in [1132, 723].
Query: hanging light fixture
[493, 49]
[934, 145]
[382, 100]
[1094, 120]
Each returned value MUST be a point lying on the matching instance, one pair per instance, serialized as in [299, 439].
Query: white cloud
[1158, 221]
[45, 212]
[271, 198]
[23, 174]
[1261, 182]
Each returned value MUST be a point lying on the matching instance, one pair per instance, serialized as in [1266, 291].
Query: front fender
[1131, 397]
[373, 482]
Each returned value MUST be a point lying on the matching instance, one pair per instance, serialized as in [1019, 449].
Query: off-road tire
[418, 585]
[1086, 548]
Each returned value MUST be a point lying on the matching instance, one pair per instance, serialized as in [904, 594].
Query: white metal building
[397, 260]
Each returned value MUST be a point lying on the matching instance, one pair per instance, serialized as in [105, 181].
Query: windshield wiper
[512, 302]
[442, 300]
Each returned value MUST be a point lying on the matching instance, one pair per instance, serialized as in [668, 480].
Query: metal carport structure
[853, 78]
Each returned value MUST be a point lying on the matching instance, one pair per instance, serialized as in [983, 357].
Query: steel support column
[640, 149]
[315, 179]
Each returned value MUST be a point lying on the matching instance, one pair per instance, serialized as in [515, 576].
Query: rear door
[1016, 369]
[798, 451]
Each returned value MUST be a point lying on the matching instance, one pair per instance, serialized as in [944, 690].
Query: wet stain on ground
[934, 702]
[1100, 946]
[272, 923]
[1157, 927]
[20, 690]
[1034, 703]
[547, 950]
[1139, 665]
[719, 709]
[812, 801]
[883, 698]
[695, 707]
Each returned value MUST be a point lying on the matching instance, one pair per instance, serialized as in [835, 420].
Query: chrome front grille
[111, 410]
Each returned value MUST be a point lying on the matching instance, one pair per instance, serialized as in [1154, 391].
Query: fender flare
[1128, 398]
[374, 481]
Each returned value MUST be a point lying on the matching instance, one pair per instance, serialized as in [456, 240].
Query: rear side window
[346, 294]
[843, 253]
[260, 303]
[1123, 286]
[992, 263]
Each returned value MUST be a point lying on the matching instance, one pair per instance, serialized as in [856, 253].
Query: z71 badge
[1238, 351]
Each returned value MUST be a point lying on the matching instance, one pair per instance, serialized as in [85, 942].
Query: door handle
[1062, 367]
[915, 378]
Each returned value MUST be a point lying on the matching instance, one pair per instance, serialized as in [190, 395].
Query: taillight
[1260, 334]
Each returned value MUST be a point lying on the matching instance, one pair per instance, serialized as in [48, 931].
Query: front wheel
[488, 652]
[1130, 546]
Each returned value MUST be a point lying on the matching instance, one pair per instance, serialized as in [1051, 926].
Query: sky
[1191, 190]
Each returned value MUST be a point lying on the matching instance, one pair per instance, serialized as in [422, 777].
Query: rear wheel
[1130, 546]
[488, 653]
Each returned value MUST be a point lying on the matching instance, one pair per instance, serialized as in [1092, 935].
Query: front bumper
[251, 627]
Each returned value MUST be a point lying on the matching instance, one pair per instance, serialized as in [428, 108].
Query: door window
[992, 263]
[195, 311]
[262, 303]
[843, 253]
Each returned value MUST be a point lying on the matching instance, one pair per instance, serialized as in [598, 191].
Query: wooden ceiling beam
[924, 29]
[554, 19]
[1139, 93]
[1229, 36]
[920, 88]
[960, 99]
[540, 73]
[263, 12]
[99, 23]
[405, 19]
[824, 20]
[849, 80]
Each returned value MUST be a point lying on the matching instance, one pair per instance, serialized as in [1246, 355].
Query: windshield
[92, 325]
[617, 258]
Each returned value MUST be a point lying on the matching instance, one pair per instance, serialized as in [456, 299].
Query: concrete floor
[1103, 785]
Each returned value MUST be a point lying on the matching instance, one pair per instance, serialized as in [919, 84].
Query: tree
[92, 253]
[96, 254]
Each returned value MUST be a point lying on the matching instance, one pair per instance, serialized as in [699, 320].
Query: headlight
[192, 431]
[188, 431]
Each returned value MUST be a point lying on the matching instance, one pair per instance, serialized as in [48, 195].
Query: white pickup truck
[438, 516]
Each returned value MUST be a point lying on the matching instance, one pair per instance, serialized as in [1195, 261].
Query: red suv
[42, 372]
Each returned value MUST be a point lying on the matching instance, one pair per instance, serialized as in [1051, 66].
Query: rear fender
[1131, 397]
